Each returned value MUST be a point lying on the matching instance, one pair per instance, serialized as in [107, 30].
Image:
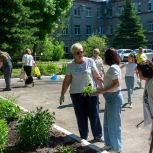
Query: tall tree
[15, 29]
[24, 22]
[47, 14]
[130, 33]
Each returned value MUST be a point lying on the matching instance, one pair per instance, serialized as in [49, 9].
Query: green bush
[34, 128]
[58, 51]
[66, 150]
[3, 135]
[63, 69]
[93, 42]
[49, 69]
[8, 110]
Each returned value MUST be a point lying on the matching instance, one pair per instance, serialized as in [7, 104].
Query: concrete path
[46, 93]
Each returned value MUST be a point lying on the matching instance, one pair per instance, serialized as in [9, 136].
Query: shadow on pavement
[64, 106]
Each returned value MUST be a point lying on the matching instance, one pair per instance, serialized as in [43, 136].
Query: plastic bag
[54, 77]
[37, 71]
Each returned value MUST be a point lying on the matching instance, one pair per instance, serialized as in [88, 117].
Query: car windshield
[119, 51]
[127, 51]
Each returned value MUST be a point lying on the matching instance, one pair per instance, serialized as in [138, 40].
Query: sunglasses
[78, 53]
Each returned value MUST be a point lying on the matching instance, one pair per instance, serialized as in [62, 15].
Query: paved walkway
[46, 93]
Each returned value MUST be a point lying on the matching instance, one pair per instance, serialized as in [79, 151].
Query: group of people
[6, 67]
[109, 85]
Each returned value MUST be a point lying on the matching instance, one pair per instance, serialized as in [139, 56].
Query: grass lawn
[16, 71]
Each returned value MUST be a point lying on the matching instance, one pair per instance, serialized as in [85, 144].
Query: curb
[71, 135]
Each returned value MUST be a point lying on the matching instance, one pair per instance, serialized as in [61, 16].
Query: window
[66, 49]
[111, 29]
[100, 30]
[88, 30]
[88, 12]
[139, 8]
[98, 13]
[150, 26]
[77, 29]
[120, 10]
[65, 31]
[149, 5]
[77, 11]
[150, 45]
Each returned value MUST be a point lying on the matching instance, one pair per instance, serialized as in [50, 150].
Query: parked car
[124, 53]
[148, 52]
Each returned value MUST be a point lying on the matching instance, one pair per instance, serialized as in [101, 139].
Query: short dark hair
[146, 68]
[111, 57]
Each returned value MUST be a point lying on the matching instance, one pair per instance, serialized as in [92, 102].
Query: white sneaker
[106, 148]
[131, 106]
[113, 152]
[104, 151]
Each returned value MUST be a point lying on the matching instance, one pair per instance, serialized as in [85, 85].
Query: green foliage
[46, 47]
[47, 13]
[51, 49]
[63, 69]
[3, 134]
[66, 150]
[34, 128]
[8, 110]
[93, 42]
[87, 90]
[58, 51]
[24, 22]
[130, 33]
[16, 31]
[49, 69]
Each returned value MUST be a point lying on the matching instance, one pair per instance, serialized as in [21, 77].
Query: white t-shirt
[28, 60]
[81, 75]
[99, 64]
[113, 73]
[130, 69]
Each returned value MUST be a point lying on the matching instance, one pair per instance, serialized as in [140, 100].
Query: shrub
[63, 69]
[34, 128]
[93, 42]
[49, 69]
[58, 51]
[66, 150]
[8, 110]
[3, 135]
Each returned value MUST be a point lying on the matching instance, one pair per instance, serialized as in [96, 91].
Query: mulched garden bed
[57, 141]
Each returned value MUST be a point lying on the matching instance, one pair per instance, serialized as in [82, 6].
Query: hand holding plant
[88, 90]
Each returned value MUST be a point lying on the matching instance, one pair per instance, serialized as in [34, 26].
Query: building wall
[144, 11]
[104, 15]
[93, 20]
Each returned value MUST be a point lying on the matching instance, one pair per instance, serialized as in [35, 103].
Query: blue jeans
[7, 70]
[112, 120]
[129, 80]
[87, 107]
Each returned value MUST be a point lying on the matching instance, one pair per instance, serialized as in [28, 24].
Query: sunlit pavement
[46, 93]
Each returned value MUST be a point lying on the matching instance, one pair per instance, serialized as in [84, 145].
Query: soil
[57, 141]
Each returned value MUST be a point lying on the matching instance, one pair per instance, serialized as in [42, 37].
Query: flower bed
[33, 132]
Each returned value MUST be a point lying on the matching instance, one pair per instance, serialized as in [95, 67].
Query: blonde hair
[27, 51]
[76, 47]
[96, 50]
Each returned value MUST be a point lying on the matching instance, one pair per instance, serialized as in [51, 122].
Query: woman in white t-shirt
[85, 107]
[131, 68]
[99, 62]
[28, 62]
[113, 102]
